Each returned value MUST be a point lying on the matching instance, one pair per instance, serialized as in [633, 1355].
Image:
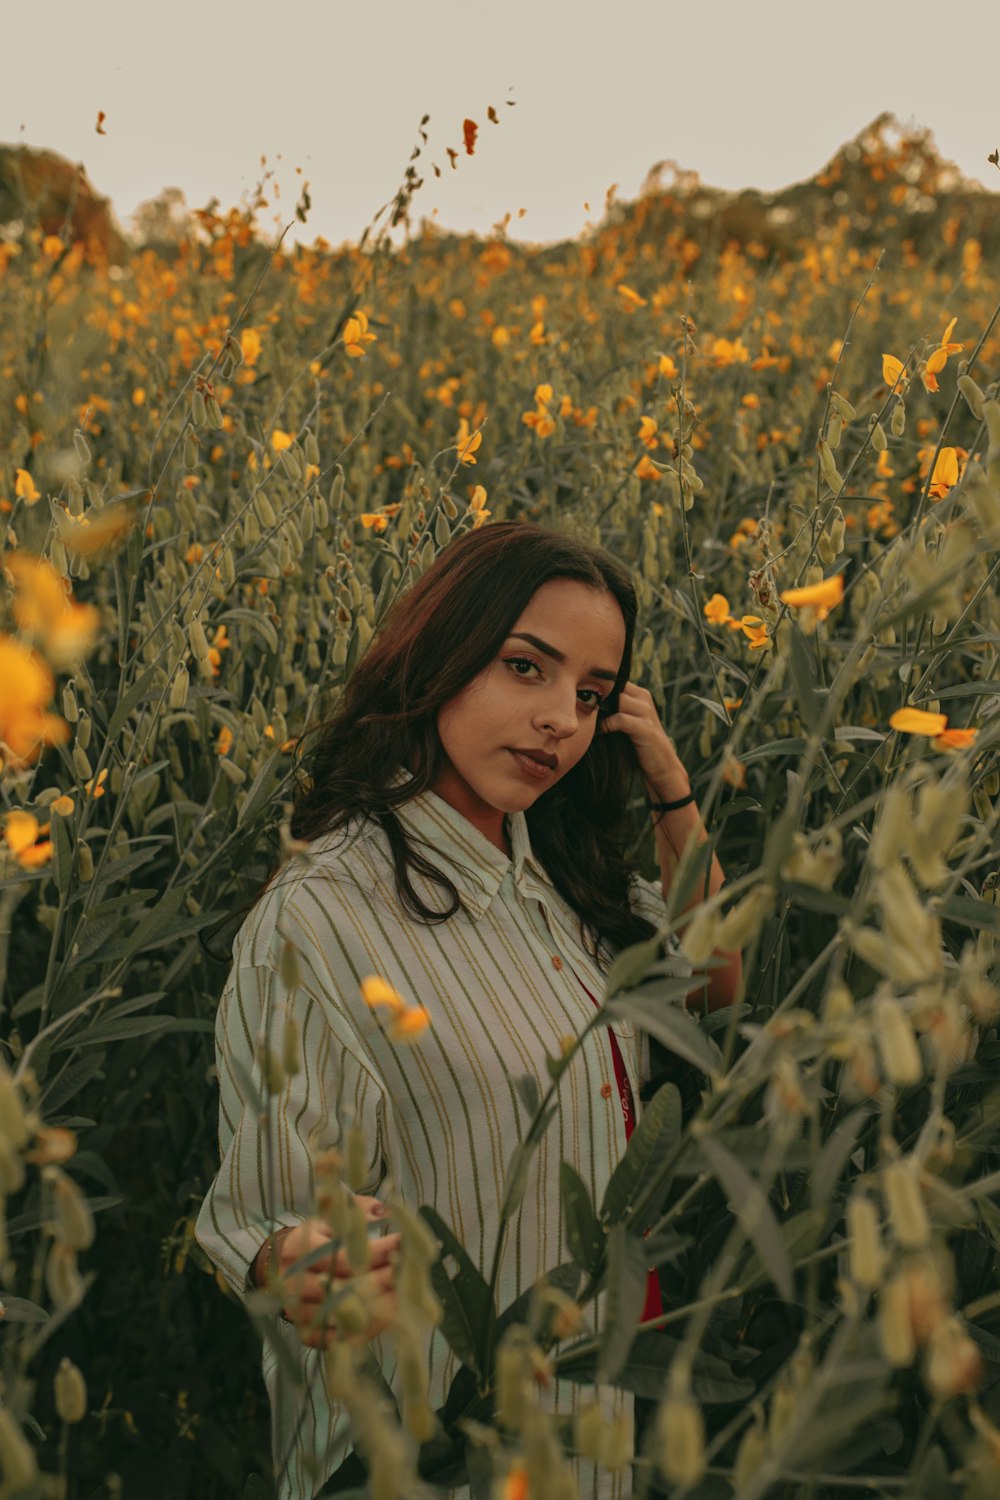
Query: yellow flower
[725, 352]
[356, 335]
[631, 299]
[755, 631]
[28, 686]
[250, 345]
[916, 721]
[893, 373]
[24, 487]
[466, 445]
[818, 598]
[716, 611]
[63, 805]
[139, 396]
[281, 440]
[43, 607]
[667, 368]
[376, 991]
[409, 1023]
[649, 433]
[224, 743]
[95, 789]
[86, 535]
[371, 520]
[955, 739]
[945, 473]
[646, 469]
[21, 830]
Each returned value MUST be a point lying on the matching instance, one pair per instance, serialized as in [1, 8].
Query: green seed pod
[350, 1314]
[356, 1164]
[588, 1431]
[69, 706]
[866, 1253]
[974, 397]
[364, 633]
[291, 1049]
[13, 1123]
[82, 447]
[81, 764]
[897, 1044]
[750, 1455]
[448, 506]
[827, 466]
[442, 531]
[879, 441]
[700, 937]
[897, 422]
[311, 447]
[213, 412]
[264, 510]
[907, 1212]
[251, 530]
[11, 1169]
[843, 406]
[197, 639]
[70, 1392]
[680, 1440]
[232, 771]
[72, 1221]
[83, 730]
[895, 1328]
[190, 450]
[179, 688]
[57, 556]
[17, 1457]
[834, 428]
[84, 862]
[291, 972]
[743, 921]
[198, 413]
[321, 513]
[357, 1246]
[271, 1069]
[512, 1378]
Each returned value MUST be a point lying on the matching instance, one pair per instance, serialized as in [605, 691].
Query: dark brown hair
[435, 639]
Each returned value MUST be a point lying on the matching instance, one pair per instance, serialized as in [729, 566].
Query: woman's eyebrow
[557, 655]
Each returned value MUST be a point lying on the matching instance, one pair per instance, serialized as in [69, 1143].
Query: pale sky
[747, 95]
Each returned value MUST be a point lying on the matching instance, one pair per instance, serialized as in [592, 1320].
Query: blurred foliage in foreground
[235, 458]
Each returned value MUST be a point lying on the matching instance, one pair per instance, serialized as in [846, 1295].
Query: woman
[464, 818]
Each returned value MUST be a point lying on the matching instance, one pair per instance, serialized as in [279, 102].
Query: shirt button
[556, 961]
[605, 1091]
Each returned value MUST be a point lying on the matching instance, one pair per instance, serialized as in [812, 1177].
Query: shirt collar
[464, 854]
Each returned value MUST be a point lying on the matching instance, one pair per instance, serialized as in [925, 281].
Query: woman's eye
[596, 699]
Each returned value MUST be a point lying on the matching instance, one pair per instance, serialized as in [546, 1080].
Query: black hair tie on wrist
[671, 806]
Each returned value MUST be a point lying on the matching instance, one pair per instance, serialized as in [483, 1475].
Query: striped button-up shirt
[505, 980]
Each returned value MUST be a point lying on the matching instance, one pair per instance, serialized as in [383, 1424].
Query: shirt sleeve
[267, 1143]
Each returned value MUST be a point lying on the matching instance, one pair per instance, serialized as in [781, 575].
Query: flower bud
[973, 395]
[897, 1044]
[866, 1254]
[907, 1212]
[291, 1052]
[70, 1392]
[954, 1365]
[72, 1221]
[680, 1440]
[895, 1330]
[179, 688]
[17, 1457]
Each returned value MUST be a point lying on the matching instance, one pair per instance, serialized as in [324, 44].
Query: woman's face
[530, 698]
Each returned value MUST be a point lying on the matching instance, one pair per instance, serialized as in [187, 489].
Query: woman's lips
[533, 769]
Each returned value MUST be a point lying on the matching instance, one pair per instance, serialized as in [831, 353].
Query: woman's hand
[365, 1315]
[661, 766]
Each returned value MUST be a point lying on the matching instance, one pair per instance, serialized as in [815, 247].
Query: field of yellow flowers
[219, 463]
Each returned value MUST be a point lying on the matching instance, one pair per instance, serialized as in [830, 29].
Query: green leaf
[465, 1297]
[133, 697]
[645, 1371]
[20, 1310]
[69, 1082]
[63, 861]
[631, 964]
[800, 1236]
[116, 1031]
[773, 747]
[651, 1010]
[655, 1136]
[833, 1157]
[804, 677]
[625, 1288]
[747, 1200]
[527, 1088]
[258, 622]
[713, 706]
[516, 1180]
[260, 790]
[584, 1235]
